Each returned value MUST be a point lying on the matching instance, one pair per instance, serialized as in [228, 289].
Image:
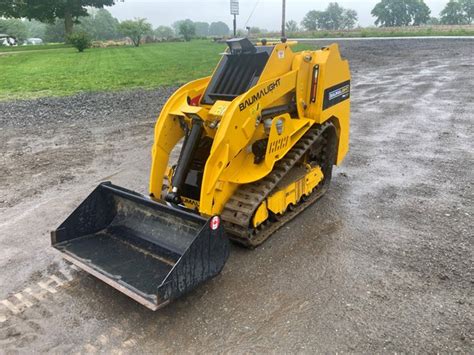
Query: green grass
[58, 70]
[64, 71]
[34, 48]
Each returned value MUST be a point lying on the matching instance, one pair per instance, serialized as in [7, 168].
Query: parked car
[33, 41]
[7, 40]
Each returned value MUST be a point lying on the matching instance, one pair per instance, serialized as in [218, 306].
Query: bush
[135, 29]
[80, 41]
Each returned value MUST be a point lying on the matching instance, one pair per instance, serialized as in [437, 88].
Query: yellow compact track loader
[260, 137]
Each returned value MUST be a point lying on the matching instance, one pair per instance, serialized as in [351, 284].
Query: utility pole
[283, 22]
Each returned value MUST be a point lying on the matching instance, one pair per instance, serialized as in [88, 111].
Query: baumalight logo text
[255, 97]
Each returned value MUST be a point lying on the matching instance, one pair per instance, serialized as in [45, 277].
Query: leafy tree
[135, 29]
[164, 32]
[312, 20]
[50, 10]
[349, 19]
[468, 7]
[55, 32]
[219, 28]
[335, 17]
[15, 28]
[419, 12]
[433, 21]
[391, 13]
[187, 29]
[202, 29]
[291, 26]
[80, 41]
[452, 14]
[35, 29]
[100, 25]
[175, 26]
[458, 12]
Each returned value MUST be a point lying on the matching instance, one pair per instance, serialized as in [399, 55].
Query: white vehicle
[33, 41]
[9, 41]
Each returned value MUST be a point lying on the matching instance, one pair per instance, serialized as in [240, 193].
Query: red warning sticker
[215, 222]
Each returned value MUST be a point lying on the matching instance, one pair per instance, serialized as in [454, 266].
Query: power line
[256, 4]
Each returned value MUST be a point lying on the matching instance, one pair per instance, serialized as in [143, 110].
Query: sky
[266, 13]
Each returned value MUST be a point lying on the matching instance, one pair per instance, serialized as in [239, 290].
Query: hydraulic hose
[190, 145]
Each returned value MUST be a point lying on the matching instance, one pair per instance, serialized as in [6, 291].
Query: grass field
[64, 71]
[31, 47]
[61, 71]
[58, 70]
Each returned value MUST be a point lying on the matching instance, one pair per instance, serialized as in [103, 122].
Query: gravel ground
[383, 263]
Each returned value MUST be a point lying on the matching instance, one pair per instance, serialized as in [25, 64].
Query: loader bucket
[149, 251]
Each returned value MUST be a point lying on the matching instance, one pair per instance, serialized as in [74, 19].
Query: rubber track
[239, 210]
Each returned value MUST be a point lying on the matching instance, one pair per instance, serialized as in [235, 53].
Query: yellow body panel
[235, 125]
[168, 131]
[290, 194]
[261, 214]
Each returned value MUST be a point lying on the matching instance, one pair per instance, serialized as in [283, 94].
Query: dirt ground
[383, 263]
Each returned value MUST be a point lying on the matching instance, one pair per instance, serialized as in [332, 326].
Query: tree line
[387, 13]
[335, 17]
[49, 11]
[100, 25]
[54, 20]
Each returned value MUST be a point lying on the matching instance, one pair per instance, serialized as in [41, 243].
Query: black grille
[236, 74]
